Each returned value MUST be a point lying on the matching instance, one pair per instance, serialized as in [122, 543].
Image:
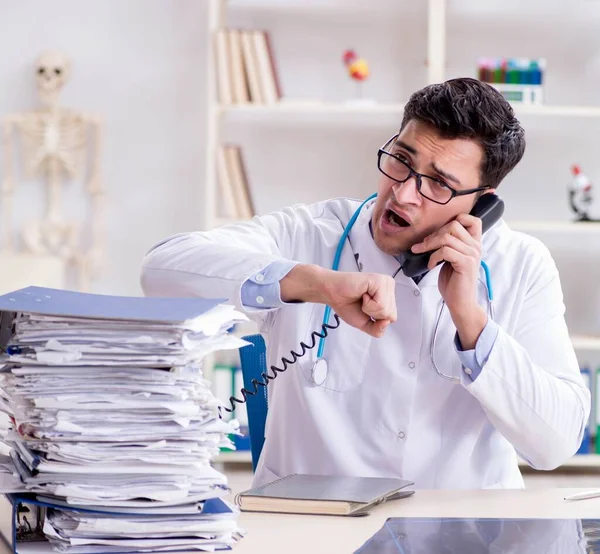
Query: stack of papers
[112, 422]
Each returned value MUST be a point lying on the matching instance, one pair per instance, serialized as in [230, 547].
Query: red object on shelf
[358, 69]
[581, 180]
[349, 56]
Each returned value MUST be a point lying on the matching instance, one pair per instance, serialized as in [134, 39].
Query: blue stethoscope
[320, 368]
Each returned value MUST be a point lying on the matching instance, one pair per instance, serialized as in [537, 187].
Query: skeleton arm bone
[97, 191]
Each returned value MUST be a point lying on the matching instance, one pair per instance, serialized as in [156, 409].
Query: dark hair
[471, 109]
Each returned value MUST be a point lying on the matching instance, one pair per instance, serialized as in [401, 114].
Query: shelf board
[579, 461]
[563, 111]
[312, 108]
[352, 6]
[555, 226]
[327, 108]
[234, 457]
[582, 342]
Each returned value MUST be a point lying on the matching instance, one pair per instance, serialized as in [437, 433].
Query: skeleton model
[55, 144]
[580, 194]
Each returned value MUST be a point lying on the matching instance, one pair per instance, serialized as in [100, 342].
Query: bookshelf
[326, 108]
[570, 227]
[440, 54]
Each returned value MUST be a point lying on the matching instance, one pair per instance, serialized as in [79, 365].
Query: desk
[294, 534]
[299, 534]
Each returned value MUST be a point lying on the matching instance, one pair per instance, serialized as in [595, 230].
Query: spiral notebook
[323, 494]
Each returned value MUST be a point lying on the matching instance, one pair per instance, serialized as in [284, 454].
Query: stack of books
[246, 69]
[235, 200]
[112, 425]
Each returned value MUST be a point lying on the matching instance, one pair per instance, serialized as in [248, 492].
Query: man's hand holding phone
[459, 244]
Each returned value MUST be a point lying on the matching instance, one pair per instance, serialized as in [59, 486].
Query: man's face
[456, 162]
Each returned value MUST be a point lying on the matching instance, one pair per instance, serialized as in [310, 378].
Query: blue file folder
[57, 302]
[27, 541]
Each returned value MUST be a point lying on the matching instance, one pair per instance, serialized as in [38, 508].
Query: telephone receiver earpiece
[489, 208]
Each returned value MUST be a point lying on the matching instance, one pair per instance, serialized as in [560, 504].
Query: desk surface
[295, 534]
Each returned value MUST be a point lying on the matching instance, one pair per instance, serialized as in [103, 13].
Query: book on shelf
[596, 405]
[590, 443]
[246, 69]
[585, 447]
[234, 190]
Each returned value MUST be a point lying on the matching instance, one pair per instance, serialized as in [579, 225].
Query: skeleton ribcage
[53, 139]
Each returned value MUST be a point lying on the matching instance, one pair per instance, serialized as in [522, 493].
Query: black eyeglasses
[397, 169]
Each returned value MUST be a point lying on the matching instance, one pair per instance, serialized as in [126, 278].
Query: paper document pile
[110, 413]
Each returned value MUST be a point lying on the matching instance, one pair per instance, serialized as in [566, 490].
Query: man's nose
[407, 193]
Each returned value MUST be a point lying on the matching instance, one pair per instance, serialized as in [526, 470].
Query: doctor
[420, 381]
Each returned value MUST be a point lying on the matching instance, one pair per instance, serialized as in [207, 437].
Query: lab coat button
[401, 434]
[260, 278]
[468, 371]
[417, 292]
[260, 299]
[411, 365]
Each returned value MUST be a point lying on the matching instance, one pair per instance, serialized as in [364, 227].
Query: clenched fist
[366, 301]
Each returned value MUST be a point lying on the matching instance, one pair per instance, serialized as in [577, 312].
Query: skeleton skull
[53, 70]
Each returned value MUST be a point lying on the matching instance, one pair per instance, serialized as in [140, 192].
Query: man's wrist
[305, 283]
[469, 325]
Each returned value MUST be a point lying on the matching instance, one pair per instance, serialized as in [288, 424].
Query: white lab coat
[383, 410]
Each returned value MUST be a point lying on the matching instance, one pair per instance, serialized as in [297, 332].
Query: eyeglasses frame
[418, 176]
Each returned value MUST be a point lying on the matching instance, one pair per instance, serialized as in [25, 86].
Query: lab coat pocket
[345, 352]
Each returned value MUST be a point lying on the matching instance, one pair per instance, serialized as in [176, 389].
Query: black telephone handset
[489, 208]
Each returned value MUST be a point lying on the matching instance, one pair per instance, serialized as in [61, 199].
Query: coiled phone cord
[285, 363]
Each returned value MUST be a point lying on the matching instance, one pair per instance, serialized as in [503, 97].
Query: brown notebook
[323, 494]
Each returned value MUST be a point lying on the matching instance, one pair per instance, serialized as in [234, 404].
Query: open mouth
[395, 219]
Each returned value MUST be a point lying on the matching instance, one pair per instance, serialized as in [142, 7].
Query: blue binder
[57, 302]
[26, 537]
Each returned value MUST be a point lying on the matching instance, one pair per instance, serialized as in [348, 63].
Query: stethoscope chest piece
[319, 371]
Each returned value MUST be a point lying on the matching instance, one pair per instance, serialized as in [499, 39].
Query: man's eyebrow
[406, 147]
[440, 172]
[445, 175]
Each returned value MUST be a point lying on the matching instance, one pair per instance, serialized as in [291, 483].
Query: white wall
[140, 64]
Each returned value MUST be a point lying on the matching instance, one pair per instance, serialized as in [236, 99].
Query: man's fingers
[383, 306]
[460, 262]
[472, 224]
[457, 244]
[380, 300]
[454, 229]
[366, 302]
[376, 328]
[353, 315]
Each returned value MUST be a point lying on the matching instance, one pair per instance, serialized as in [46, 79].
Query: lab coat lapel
[369, 258]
